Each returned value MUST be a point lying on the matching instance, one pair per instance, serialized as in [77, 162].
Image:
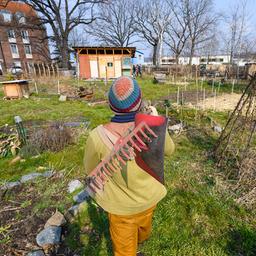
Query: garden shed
[104, 62]
[16, 89]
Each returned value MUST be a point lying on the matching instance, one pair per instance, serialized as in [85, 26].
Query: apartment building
[23, 39]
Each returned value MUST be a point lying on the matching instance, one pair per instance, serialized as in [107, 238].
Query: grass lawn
[197, 217]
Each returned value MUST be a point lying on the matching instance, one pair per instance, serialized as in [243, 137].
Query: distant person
[140, 70]
[131, 195]
[133, 71]
[137, 70]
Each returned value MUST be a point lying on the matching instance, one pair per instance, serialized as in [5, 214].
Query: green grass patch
[195, 218]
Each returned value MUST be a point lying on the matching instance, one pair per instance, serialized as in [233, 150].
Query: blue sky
[223, 6]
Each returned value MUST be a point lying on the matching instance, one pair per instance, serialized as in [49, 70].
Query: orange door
[84, 66]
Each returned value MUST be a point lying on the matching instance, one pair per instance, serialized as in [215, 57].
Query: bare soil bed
[19, 221]
[188, 96]
[224, 102]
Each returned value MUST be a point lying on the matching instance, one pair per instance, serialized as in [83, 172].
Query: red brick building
[23, 40]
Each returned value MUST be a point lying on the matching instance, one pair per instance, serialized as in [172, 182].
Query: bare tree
[235, 36]
[63, 16]
[177, 32]
[115, 23]
[201, 19]
[211, 47]
[77, 37]
[152, 19]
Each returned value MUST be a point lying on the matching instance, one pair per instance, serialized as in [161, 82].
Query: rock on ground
[48, 174]
[10, 185]
[81, 197]
[30, 176]
[36, 253]
[57, 219]
[74, 185]
[49, 236]
[76, 209]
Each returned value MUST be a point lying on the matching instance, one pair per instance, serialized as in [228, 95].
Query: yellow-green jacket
[130, 191]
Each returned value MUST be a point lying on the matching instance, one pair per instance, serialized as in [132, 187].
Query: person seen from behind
[131, 195]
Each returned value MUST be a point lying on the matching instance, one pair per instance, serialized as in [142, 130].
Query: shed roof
[131, 50]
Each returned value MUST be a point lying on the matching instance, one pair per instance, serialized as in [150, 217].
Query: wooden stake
[49, 71]
[204, 99]
[178, 95]
[59, 87]
[219, 87]
[233, 86]
[39, 69]
[215, 93]
[36, 88]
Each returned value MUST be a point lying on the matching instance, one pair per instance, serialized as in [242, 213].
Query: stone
[57, 219]
[74, 185]
[217, 129]
[10, 185]
[49, 236]
[81, 196]
[176, 127]
[36, 253]
[62, 98]
[48, 174]
[76, 209]
[30, 176]
[73, 210]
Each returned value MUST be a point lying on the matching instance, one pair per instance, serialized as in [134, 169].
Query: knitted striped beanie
[124, 95]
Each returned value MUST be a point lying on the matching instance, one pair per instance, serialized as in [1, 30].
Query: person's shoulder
[94, 131]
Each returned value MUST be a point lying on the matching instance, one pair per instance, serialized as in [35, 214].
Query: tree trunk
[154, 55]
[177, 58]
[177, 63]
[192, 51]
[64, 52]
[159, 50]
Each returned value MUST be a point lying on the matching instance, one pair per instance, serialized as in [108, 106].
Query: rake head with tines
[138, 139]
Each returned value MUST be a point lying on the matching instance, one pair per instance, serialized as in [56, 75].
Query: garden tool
[140, 144]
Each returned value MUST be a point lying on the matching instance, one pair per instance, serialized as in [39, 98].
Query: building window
[7, 15]
[24, 34]
[14, 49]
[11, 34]
[20, 17]
[110, 64]
[28, 49]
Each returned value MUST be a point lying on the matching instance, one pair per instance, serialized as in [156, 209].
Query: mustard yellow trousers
[127, 231]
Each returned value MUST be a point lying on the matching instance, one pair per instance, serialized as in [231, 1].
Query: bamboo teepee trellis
[236, 148]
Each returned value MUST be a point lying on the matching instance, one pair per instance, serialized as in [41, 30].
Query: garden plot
[223, 102]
